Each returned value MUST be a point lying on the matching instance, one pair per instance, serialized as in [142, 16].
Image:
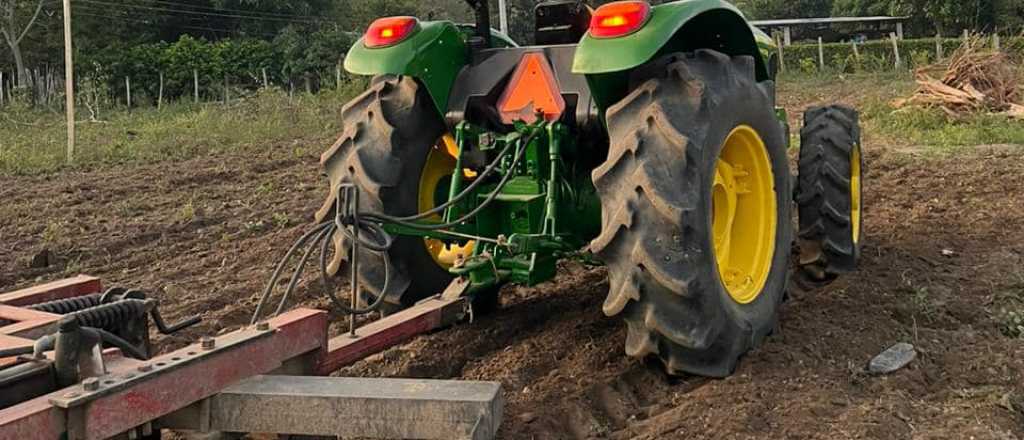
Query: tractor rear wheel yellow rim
[744, 214]
[433, 191]
[855, 192]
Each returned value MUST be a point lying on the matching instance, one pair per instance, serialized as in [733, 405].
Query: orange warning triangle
[533, 89]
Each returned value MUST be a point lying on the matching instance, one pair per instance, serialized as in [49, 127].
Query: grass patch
[873, 94]
[933, 128]
[34, 141]
[1010, 316]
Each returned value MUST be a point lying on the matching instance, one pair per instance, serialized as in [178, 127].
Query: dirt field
[945, 257]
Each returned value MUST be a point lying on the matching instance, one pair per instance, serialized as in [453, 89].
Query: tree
[14, 32]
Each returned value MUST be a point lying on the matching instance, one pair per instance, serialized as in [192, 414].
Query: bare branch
[35, 15]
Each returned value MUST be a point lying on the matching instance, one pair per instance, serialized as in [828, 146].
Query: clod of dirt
[42, 260]
[893, 359]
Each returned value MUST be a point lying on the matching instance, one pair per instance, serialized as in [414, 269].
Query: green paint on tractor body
[548, 209]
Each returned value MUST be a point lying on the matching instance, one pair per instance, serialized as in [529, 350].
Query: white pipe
[503, 16]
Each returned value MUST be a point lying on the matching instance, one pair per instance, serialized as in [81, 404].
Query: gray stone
[893, 359]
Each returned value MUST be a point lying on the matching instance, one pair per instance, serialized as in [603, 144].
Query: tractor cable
[366, 229]
[280, 267]
[521, 150]
[469, 189]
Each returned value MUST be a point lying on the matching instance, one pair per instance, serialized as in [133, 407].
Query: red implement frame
[26, 325]
[136, 394]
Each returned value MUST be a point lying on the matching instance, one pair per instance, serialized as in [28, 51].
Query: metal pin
[145, 368]
[91, 384]
[352, 208]
[207, 343]
[263, 326]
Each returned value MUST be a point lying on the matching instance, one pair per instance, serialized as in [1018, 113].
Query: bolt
[207, 343]
[91, 384]
[71, 395]
[145, 368]
[263, 326]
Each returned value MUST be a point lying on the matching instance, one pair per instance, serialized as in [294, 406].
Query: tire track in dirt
[559, 359]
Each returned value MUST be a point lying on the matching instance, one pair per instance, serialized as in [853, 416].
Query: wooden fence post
[896, 49]
[128, 90]
[226, 95]
[782, 58]
[195, 82]
[821, 55]
[967, 34]
[160, 93]
[856, 51]
[1, 88]
[337, 76]
[938, 47]
[995, 42]
[266, 84]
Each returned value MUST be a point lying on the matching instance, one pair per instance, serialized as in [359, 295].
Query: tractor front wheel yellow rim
[433, 191]
[855, 193]
[744, 214]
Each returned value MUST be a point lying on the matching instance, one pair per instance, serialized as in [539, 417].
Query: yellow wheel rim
[744, 214]
[438, 168]
[855, 192]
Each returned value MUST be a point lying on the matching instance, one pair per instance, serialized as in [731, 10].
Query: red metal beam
[125, 402]
[390, 331]
[27, 323]
[67, 288]
[39, 419]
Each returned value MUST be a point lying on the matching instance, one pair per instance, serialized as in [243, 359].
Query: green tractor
[643, 137]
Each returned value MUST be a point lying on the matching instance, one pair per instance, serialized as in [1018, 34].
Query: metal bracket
[80, 394]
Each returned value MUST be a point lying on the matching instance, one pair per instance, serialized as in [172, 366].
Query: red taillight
[619, 18]
[390, 31]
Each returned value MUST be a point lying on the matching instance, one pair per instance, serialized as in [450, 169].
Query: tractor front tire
[389, 131]
[695, 145]
[828, 195]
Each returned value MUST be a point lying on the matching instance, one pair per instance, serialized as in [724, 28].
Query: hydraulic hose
[366, 229]
[280, 267]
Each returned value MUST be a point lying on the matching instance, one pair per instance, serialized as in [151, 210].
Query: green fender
[679, 26]
[434, 55]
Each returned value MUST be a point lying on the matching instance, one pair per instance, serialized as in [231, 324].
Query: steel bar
[379, 335]
[359, 408]
[128, 399]
[71, 287]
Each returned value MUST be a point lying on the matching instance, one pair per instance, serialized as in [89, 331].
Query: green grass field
[929, 130]
[33, 141]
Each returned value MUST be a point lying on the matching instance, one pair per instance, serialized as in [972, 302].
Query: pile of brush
[977, 79]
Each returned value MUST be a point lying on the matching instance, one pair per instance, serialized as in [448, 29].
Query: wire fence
[889, 55]
[44, 88]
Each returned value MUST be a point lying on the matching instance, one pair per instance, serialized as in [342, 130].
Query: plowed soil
[943, 262]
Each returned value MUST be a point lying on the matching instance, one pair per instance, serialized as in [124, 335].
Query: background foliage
[299, 42]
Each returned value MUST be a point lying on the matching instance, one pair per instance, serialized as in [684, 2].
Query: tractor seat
[561, 21]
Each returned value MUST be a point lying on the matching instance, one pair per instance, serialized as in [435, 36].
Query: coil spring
[109, 316]
[69, 305]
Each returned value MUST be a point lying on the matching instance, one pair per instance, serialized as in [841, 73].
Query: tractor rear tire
[659, 233]
[389, 131]
[828, 195]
